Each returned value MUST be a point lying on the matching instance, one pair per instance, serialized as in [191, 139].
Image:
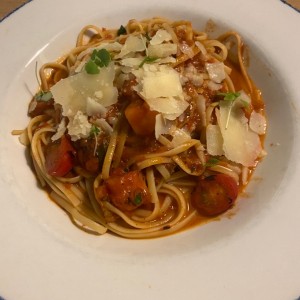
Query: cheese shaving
[241, 145]
[160, 36]
[72, 92]
[132, 45]
[216, 71]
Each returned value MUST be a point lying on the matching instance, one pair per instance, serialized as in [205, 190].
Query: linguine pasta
[146, 129]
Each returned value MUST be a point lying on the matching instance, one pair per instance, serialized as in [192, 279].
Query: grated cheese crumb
[79, 126]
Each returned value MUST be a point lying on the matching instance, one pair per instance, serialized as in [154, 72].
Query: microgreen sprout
[99, 59]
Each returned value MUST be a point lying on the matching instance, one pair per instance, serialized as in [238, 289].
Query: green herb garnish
[121, 30]
[231, 96]
[94, 130]
[148, 60]
[93, 134]
[99, 59]
[43, 96]
[138, 199]
[91, 67]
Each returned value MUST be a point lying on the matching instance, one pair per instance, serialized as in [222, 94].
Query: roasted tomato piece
[215, 194]
[127, 191]
[140, 118]
[59, 157]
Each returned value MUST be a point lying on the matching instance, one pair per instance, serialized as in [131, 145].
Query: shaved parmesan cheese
[216, 71]
[240, 145]
[192, 74]
[165, 82]
[180, 136]
[160, 36]
[214, 140]
[162, 126]
[243, 100]
[258, 123]
[132, 65]
[104, 125]
[61, 129]
[160, 87]
[214, 86]
[162, 50]
[196, 79]
[95, 108]
[165, 126]
[132, 44]
[170, 107]
[133, 62]
[72, 92]
[111, 47]
[79, 126]
[99, 94]
[186, 49]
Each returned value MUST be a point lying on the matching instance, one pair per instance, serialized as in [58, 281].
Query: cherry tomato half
[215, 194]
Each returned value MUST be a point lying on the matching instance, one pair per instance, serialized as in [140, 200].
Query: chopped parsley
[121, 30]
[148, 60]
[43, 96]
[99, 59]
[137, 199]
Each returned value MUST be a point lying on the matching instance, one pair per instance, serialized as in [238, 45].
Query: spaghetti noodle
[146, 129]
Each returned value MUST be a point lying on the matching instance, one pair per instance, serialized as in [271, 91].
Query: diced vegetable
[127, 191]
[140, 118]
[59, 157]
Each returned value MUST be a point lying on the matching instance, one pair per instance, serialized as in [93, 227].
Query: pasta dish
[147, 129]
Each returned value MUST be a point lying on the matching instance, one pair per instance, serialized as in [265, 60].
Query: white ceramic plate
[253, 255]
